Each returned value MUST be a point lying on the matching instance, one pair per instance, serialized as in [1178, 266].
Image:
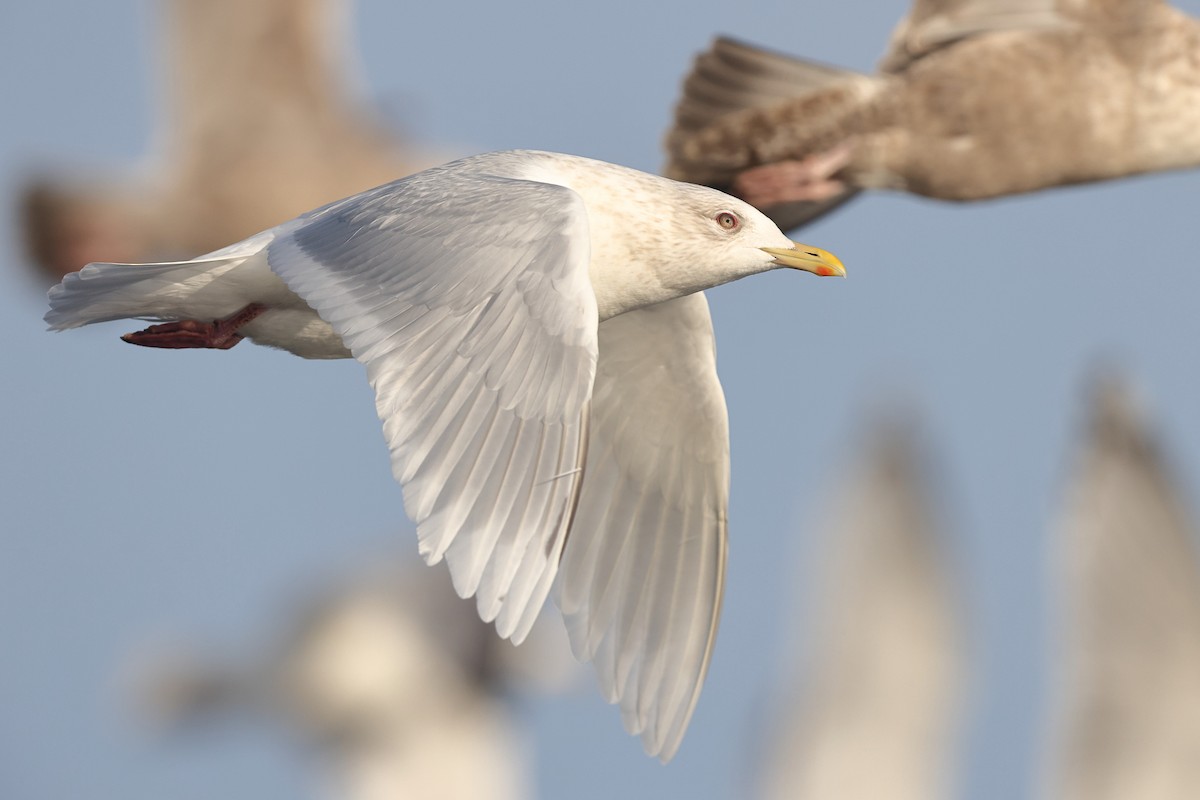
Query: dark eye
[727, 220]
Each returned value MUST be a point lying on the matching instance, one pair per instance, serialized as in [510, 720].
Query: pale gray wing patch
[467, 297]
[642, 576]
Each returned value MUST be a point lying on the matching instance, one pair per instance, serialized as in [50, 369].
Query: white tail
[169, 290]
[733, 76]
[103, 292]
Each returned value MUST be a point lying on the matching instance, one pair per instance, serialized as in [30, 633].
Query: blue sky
[149, 493]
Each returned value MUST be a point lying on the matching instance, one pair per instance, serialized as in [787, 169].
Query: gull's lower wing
[467, 298]
[643, 573]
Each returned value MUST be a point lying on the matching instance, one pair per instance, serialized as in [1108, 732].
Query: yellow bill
[810, 259]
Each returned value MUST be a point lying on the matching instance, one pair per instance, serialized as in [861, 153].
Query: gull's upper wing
[644, 569]
[885, 658]
[467, 297]
[1129, 707]
[932, 24]
[263, 118]
[245, 72]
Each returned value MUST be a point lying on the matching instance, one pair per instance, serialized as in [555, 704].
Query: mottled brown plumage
[260, 123]
[976, 99]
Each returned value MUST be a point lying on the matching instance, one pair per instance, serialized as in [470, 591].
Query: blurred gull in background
[876, 712]
[975, 99]
[1129, 714]
[390, 678]
[261, 120]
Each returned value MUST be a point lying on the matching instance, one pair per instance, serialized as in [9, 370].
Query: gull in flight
[543, 363]
[974, 99]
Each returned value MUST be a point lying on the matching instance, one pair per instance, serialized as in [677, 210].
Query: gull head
[737, 239]
[654, 239]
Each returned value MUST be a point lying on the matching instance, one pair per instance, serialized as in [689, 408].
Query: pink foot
[220, 334]
[808, 180]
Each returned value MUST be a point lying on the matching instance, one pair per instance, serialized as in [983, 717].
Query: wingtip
[664, 751]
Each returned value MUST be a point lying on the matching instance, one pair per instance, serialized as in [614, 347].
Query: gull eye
[727, 220]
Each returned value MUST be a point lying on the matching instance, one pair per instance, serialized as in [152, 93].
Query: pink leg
[220, 334]
[809, 179]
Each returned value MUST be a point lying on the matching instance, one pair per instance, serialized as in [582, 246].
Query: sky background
[194, 495]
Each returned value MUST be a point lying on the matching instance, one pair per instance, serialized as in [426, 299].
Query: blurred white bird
[479, 296]
[1129, 683]
[391, 678]
[262, 119]
[876, 713]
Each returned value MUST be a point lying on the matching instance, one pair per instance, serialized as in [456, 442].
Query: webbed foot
[219, 334]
